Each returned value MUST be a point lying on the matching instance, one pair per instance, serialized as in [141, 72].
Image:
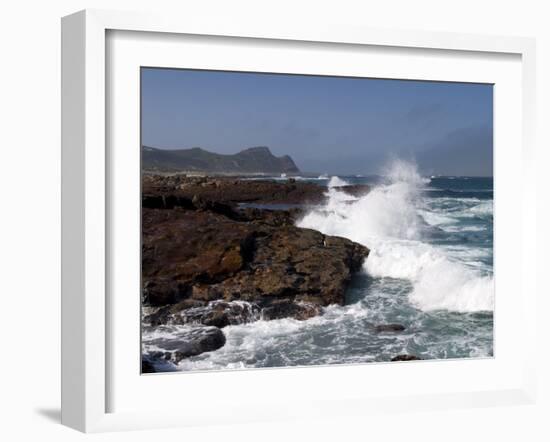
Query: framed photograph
[291, 221]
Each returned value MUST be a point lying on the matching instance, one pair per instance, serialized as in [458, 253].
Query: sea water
[430, 269]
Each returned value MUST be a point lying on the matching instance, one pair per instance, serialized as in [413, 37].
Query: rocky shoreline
[233, 190]
[208, 262]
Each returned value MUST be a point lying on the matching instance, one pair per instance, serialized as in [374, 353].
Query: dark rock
[289, 309]
[183, 248]
[389, 328]
[171, 201]
[215, 313]
[184, 342]
[405, 358]
[200, 254]
[274, 218]
[147, 366]
[216, 207]
[300, 264]
[357, 190]
[164, 291]
[166, 202]
[183, 190]
[205, 256]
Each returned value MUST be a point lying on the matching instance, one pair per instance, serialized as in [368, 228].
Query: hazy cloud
[469, 148]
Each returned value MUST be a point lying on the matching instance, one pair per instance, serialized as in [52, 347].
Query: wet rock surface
[175, 343]
[389, 328]
[216, 313]
[289, 309]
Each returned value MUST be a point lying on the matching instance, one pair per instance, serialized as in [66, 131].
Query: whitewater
[430, 268]
[394, 220]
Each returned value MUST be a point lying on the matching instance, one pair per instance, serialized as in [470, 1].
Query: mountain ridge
[256, 159]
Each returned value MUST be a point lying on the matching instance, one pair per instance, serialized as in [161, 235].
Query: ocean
[430, 269]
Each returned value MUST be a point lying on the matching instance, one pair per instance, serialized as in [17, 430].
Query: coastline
[208, 262]
[242, 273]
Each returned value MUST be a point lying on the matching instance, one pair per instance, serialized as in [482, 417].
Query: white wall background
[30, 214]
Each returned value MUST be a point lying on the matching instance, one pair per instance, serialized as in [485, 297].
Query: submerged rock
[405, 358]
[389, 328]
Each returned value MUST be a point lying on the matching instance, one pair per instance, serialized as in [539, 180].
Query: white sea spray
[389, 220]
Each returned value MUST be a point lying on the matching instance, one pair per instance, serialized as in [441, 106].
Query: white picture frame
[86, 217]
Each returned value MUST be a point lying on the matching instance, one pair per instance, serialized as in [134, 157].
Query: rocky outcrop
[207, 264]
[200, 256]
[181, 249]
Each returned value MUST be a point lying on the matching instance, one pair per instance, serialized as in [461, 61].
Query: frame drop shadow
[51, 414]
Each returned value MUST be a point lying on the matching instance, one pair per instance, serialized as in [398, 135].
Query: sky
[332, 125]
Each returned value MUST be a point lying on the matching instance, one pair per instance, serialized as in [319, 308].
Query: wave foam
[439, 282]
[388, 221]
[336, 181]
[483, 209]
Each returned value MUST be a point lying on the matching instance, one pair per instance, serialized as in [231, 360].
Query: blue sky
[326, 124]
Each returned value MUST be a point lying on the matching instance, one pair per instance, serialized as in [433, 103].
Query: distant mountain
[252, 160]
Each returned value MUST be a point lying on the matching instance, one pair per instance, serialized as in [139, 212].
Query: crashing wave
[388, 221]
